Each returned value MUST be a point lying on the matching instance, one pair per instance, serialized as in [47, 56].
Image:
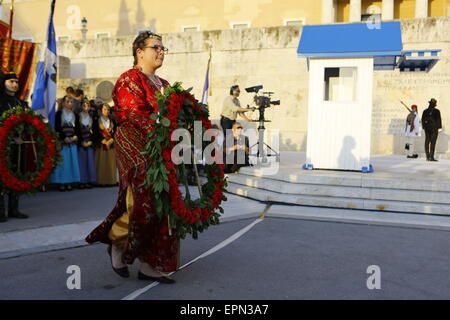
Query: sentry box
[341, 59]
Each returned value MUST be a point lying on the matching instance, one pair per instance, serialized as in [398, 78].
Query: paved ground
[53, 208]
[276, 259]
[284, 256]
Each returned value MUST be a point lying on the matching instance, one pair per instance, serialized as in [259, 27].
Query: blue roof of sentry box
[351, 40]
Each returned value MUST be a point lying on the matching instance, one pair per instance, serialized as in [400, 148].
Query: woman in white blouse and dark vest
[105, 155]
[86, 146]
[66, 125]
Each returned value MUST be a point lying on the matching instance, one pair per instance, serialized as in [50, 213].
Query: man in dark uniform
[9, 86]
[432, 124]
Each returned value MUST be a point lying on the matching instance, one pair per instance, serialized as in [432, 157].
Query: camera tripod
[260, 154]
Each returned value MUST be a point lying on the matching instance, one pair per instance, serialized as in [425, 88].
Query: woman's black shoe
[69, 187]
[62, 188]
[162, 279]
[123, 272]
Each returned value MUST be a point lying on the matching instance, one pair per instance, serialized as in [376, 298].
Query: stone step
[338, 202]
[401, 181]
[333, 191]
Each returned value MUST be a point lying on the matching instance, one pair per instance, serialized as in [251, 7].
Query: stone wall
[268, 56]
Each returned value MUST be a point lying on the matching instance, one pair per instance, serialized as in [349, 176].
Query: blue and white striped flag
[206, 86]
[44, 93]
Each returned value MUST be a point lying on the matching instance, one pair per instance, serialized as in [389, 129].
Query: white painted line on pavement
[214, 249]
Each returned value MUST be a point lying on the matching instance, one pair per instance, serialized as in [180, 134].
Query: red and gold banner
[18, 56]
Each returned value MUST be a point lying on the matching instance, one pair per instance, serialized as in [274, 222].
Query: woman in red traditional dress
[133, 229]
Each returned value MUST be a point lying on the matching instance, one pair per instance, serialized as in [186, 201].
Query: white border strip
[214, 249]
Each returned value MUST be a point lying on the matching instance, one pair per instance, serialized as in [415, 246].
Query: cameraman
[231, 108]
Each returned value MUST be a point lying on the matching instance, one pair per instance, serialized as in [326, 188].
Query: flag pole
[207, 87]
[11, 15]
[209, 66]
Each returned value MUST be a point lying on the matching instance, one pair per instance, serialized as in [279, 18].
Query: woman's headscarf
[3, 78]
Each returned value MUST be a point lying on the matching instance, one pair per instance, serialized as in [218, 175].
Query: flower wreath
[177, 108]
[14, 123]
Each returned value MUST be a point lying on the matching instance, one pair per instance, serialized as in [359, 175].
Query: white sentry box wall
[339, 132]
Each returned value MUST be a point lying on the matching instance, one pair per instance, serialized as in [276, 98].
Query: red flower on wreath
[192, 216]
[190, 213]
[7, 179]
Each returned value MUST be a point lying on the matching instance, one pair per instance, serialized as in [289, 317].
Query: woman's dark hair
[233, 88]
[62, 100]
[70, 90]
[85, 100]
[66, 97]
[139, 42]
[79, 92]
[100, 110]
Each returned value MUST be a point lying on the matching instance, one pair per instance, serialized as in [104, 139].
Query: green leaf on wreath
[165, 122]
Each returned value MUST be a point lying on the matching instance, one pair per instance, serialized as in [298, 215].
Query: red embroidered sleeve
[133, 102]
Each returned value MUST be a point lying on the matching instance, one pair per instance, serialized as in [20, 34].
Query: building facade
[260, 52]
[113, 18]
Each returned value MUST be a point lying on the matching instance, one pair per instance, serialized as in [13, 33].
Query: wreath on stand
[177, 109]
[35, 134]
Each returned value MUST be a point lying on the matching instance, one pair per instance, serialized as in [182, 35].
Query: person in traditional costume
[66, 125]
[105, 153]
[133, 229]
[88, 174]
[413, 130]
[96, 106]
[432, 125]
[9, 86]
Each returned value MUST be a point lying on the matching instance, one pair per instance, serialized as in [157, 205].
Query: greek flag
[206, 86]
[44, 93]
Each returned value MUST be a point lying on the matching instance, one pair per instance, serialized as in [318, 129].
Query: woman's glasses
[158, 48]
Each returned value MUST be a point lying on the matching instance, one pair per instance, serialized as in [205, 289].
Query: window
[63, 38]
[372, 13]
[371, 17]
[294, 22]
[240, 25]
[102, 35]
[340, 84]
[190, 28]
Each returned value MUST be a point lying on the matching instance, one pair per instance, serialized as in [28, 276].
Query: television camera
[263, 102]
